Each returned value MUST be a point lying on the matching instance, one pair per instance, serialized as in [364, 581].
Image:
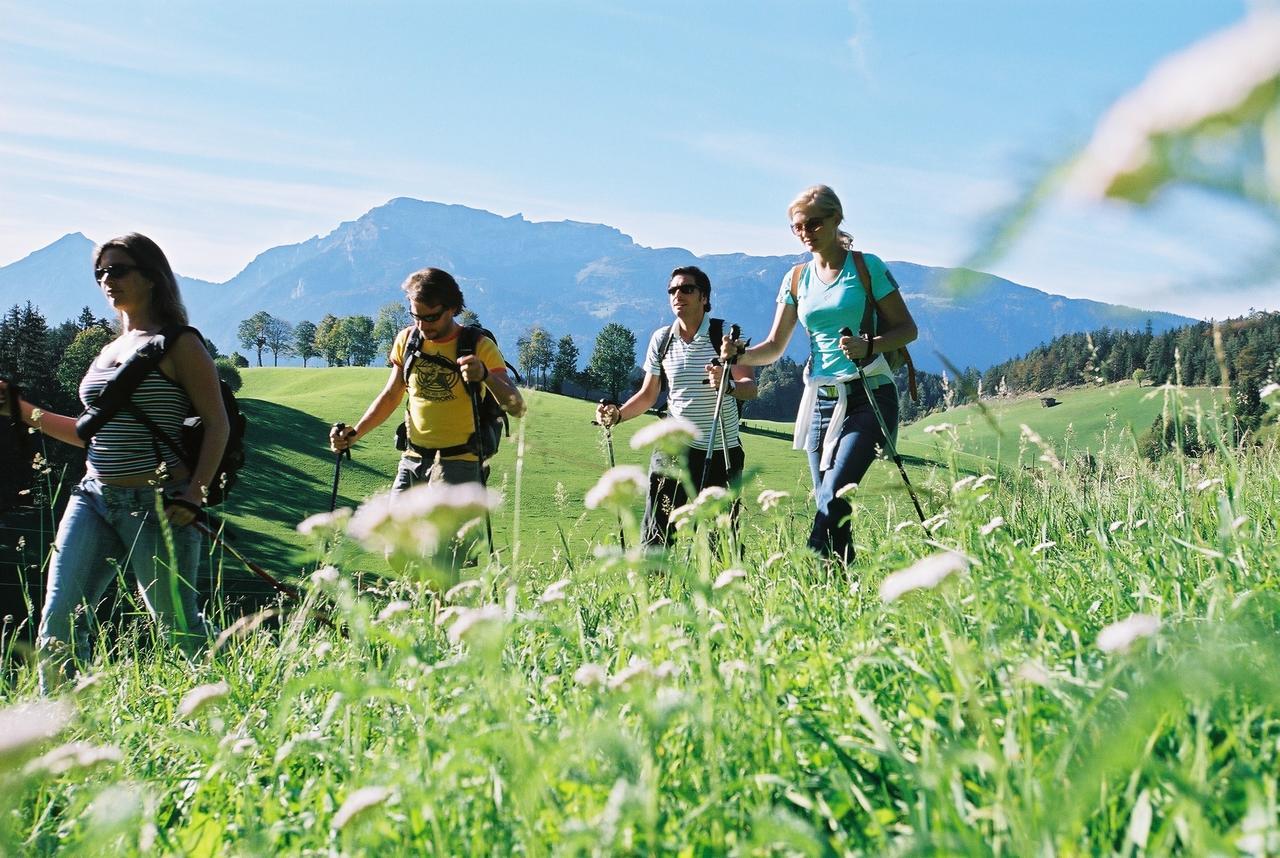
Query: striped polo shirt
[685, 365]
[124, 446]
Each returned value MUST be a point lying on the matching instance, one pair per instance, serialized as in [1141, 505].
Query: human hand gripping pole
[608, 444]
[884, 428]
[339, 429]
[734, 332]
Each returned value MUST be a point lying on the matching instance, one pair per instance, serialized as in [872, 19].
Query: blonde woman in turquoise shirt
[836, 424]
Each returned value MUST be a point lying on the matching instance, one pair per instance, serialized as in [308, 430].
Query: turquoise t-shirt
[826, 308]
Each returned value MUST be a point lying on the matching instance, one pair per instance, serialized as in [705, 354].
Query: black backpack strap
[663, 348]
[412, 351]
[118, 392]
[468, 339]
[716, 332]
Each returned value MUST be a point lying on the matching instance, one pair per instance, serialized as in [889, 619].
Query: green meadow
[291, 472]
[1076, 657]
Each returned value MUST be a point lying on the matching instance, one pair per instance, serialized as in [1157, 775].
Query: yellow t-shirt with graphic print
[439, 412]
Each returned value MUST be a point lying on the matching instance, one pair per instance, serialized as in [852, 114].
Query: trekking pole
[341, 429]
[884, 429]
[475, 416]
[220, 538]
[734, 331]
[608, 444]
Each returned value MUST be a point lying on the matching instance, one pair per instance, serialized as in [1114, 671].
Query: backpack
[494, 422]
[116, 397]
[715, 332]
[897, 358]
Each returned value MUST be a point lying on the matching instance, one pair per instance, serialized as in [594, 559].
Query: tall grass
[696, 703]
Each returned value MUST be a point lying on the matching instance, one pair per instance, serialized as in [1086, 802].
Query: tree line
[548, 362]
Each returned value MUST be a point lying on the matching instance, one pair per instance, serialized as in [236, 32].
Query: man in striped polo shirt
[682, 353]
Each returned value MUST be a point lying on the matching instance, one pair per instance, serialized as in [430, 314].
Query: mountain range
[569, 277]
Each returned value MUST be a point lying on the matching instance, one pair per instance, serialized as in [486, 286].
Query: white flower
[554, 592]
[938, 427]
[324, 522]
[1269, 391]
[1043, 546]
[1208, 484]
[711, 496]
[618, 487]
[637, 669]
[1215, 78]
[1034, 672]
[982, 480]
[729, 669]
[358, 803]
[1119, 636]
[26, 726]
[995, 523]
[458, 589]
[1114, 526]
[74, 755]
[926, 573]
[471, 620]
[393, 609]
[325, 575]
[671, 433]
[770, 498]
[846, 490]
[962, 483]
[201, 696]
[728, 577]
[659, 605]
[422, 518]
[590, 675]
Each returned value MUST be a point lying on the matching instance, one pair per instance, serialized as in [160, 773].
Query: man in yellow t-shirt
[439, 420]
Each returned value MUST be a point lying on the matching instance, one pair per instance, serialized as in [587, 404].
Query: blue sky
[222, 129]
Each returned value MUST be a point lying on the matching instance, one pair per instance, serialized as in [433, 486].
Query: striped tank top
[124, 446]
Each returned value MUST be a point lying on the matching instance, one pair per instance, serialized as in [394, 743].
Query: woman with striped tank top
[112, 519]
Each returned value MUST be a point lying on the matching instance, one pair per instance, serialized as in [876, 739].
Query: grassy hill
[291, 471]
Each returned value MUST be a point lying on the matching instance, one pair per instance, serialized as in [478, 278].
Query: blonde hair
[823, 202]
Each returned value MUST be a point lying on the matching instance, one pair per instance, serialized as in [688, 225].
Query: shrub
[228, 372]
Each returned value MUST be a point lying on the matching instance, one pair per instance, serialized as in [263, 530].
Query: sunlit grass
[1000, 699]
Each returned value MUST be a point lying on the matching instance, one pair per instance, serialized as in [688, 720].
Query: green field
[291, 471]
[1078, 659]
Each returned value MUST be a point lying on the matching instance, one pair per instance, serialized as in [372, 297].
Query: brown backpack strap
[865, 276]
[796, 271]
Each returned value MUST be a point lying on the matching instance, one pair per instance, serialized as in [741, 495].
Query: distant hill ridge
[570, 277]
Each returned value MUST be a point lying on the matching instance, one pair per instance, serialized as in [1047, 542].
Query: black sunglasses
[683, 289]
[116, 271]
[813, 224]
[430, 317]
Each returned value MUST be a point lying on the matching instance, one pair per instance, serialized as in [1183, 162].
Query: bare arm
[382, 407]
[57, 426]
[192, 367]
[640, 402]
[771, 348]
[498, 382]
[897, 329]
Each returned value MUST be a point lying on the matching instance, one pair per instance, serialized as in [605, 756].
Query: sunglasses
[683, 289]
[813, 224]
[116, 271]
[430, 317]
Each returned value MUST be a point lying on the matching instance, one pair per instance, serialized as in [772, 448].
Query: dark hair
[166, 300]
[700, 279]
[435, 288]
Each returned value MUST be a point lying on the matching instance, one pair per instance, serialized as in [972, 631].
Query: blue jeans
[105, 528]
[859, 436]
